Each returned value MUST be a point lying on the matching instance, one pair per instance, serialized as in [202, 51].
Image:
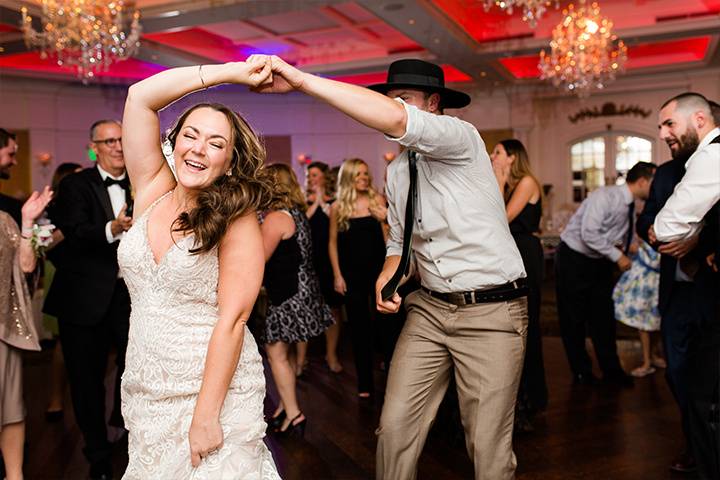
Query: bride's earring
[228, 173]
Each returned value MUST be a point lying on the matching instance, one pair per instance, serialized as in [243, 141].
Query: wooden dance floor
[596, 432]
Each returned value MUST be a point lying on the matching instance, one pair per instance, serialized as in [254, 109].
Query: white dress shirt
[694, 196]
[117, 199]
[601, 223]
[461, 240]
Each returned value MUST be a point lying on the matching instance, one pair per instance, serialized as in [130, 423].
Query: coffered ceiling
[355, 41]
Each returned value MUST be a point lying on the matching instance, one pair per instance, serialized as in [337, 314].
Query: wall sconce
[44, 158]
[389, 156]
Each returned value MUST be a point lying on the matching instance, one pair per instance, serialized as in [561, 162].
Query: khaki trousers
[485, 344]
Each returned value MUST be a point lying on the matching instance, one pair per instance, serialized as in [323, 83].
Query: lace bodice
[174, 312]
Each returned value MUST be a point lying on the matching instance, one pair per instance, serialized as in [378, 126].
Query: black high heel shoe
[275, 423]
[294, 428]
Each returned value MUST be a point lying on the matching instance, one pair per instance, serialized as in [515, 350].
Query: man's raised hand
[285, 78]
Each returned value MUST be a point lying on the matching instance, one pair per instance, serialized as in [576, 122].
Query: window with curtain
[605, 159]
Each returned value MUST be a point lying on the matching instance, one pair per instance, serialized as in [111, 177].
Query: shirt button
[419, 220]
[429, 239]
[450, 280]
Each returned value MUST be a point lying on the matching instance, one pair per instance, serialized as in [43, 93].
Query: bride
[193, 387]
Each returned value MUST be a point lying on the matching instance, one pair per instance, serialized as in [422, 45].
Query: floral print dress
[636, 293]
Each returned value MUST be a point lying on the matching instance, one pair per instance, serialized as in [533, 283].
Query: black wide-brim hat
[421, 75]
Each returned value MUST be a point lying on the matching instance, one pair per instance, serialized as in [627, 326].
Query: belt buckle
[468, 297]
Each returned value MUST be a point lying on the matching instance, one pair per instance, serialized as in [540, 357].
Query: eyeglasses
[109, 142]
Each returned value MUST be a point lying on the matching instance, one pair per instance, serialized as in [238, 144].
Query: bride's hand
[205, 437]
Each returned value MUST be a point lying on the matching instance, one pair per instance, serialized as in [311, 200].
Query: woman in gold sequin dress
[17, 329]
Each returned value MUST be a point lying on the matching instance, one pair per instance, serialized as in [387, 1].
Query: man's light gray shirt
[601, 223]
[461, 239]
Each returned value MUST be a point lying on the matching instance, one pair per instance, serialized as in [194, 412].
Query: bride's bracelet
[202, 80]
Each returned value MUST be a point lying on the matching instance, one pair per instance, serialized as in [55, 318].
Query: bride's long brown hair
[248, 189]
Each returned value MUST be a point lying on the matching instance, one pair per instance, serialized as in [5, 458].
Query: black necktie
[631, 226]
[124, 182]
[391, 287]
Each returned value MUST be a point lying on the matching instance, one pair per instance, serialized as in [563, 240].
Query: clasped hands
[269, 74]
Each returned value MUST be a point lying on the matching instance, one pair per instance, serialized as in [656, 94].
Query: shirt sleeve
[593, 228]
[108, 233]
[694, 196]
[440, 137]
[394, 242]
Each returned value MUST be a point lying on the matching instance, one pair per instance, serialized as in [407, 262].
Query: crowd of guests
[320, 250]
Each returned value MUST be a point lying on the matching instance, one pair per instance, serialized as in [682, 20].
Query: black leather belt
[501, 293]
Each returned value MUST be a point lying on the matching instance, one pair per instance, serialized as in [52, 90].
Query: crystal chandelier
[89, 35]
[584, 52]
[532, 9]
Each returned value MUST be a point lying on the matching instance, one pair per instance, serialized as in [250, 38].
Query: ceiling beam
[161, 21]
[420, 21]
[160, 54]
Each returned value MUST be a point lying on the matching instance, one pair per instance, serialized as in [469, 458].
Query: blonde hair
[519, 169]
[287, 193]
[346, 193]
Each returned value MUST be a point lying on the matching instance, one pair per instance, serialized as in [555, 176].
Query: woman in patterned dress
[636, 305]
[296, 310]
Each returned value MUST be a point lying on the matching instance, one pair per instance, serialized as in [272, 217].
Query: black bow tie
[124, 182]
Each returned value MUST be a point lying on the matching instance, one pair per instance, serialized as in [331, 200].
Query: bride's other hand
[205, 437]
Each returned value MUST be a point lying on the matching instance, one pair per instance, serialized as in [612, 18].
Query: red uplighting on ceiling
[668, 53]
[31, 61]
[452, 75]
[643, 55]
[200, 42]
[479, 24]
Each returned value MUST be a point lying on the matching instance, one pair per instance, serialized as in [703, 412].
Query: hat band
[416, 79]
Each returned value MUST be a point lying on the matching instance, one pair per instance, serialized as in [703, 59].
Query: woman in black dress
[296, 310]
[523, 199]
[357, 254]
[319, 198]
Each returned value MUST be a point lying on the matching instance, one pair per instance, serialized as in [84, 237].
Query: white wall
[59, 114]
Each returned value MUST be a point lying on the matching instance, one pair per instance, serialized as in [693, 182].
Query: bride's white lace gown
[174, 311]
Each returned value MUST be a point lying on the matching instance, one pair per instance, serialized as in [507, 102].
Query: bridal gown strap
[174, 311]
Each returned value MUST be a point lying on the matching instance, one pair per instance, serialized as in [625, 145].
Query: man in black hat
[445, 208]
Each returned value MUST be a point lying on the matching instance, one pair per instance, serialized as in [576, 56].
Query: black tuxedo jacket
[86, 276]
[667, 176]
[12, 207]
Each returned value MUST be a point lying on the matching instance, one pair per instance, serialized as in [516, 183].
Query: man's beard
[4, 173]
[687, 144]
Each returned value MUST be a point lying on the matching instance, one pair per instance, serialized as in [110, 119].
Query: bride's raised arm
[146, 166]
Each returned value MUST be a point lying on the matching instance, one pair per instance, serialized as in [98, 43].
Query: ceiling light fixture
[532, 10]
[584, 53]
[87, 35]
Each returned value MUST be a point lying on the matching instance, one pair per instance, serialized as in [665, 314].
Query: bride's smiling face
[203, 148]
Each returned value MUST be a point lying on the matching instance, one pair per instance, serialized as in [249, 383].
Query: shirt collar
[104, 174]
[709, 138]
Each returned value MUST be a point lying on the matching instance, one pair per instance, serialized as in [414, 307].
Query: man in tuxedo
[87, 295]
[679, 302]
[8, 151]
